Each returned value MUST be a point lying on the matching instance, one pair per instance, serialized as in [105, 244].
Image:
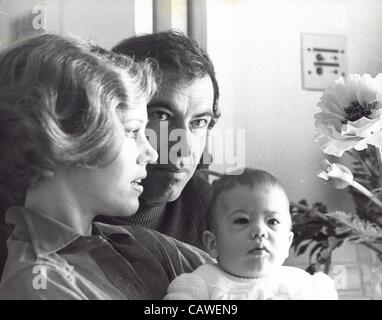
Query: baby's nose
[258, 231]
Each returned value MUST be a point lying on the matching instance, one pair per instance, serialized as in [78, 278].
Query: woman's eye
[159, 116]
[132, 133]
[273, 222]
[241, 221]
[199, 123]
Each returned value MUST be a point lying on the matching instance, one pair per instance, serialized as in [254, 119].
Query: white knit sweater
[210, 282]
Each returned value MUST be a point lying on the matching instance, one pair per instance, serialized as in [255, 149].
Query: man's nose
[182, 142]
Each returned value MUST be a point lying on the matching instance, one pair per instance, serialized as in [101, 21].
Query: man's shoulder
[200, 181]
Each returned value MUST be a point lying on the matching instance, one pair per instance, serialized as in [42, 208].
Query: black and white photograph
[190, 150]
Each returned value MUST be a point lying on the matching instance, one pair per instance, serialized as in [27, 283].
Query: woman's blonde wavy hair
[58, 101]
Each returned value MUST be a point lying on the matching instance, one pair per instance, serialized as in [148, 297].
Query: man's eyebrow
[168, 105]
[160, 102]
[204, 114]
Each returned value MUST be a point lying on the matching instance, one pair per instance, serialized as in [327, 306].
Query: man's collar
[46, 234]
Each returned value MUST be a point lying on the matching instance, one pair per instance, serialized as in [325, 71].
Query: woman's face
[114, 189]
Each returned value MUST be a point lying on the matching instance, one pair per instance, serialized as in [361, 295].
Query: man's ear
[209, 239]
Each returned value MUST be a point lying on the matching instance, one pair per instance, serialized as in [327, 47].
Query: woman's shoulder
[145, 236]
[36, 279]
[167, 249]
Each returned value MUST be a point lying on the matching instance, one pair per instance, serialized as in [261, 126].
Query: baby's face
[252, 230]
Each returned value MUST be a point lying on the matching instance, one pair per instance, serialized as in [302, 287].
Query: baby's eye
[273, 222]
[241, 220]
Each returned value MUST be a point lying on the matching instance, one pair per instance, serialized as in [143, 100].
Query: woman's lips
[136, 184]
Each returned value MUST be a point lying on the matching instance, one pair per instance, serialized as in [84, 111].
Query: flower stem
[379, 155]
[374, 248]
[367, 193]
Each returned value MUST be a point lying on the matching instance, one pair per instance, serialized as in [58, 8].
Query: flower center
[356, 111]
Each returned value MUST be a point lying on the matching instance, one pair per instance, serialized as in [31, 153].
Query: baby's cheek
[281, 252]
[285, 250]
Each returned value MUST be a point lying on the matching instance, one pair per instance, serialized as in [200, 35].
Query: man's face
[178, 119]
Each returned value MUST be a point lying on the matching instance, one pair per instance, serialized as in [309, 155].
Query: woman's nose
[148, 153]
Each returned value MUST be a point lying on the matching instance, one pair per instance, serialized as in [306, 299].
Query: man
[180, 115]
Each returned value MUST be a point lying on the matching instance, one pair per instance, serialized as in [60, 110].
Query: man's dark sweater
[182, 219]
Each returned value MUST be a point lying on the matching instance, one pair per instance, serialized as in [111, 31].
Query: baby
[249, 233]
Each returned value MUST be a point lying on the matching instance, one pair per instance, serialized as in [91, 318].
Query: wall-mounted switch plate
[324, 59]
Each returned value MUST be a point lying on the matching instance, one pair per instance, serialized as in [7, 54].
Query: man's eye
[159, 116]
[199, 123]
[241, 220]
[273, 222]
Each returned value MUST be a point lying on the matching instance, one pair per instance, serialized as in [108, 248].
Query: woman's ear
[209, 239]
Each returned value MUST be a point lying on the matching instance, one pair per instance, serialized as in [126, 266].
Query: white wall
[255, 46]
[16, 20]
[105, 21]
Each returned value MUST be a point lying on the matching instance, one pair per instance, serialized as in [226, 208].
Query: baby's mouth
[259, 250]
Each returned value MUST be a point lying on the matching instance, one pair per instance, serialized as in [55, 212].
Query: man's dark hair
[174, 52]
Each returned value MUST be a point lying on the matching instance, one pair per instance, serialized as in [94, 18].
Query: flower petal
[334, 133]
[337, 174]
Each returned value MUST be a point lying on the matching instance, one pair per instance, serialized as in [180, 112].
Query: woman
[72, 138]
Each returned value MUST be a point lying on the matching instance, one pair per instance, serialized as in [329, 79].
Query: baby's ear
[291, 235]
[210, 243]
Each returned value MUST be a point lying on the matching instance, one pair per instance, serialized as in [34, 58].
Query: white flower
[351, 115]
[337, 174]
[340, 177]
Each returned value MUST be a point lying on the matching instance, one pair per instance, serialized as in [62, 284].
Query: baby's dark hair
[249, 177]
